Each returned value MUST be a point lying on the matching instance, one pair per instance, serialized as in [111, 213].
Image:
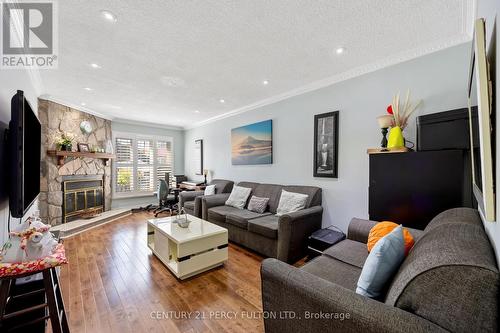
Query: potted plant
[65, 142]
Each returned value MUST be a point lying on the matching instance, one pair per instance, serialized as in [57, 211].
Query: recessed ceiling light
[88, 89]
[83, 104]
[173, 81]
[340, 50]
[196, 111]
[222, 100]
[94, 65]
[108, 15]
[265, 82]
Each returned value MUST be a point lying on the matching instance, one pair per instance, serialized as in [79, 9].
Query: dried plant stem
[403, 113]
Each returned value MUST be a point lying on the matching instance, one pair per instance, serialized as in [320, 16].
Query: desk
[189, 187]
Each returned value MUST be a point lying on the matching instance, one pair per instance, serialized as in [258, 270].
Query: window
[140, 162]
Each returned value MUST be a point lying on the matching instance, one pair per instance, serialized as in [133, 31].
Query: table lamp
[205, 173]
[385, 122]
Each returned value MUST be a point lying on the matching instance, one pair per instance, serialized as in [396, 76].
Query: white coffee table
[187, 251]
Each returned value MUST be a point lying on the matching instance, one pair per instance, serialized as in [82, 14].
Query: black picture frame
[198, 148]
[326, 158]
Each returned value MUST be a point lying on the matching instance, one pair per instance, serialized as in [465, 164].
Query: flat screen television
[482, 130]
[24, 155]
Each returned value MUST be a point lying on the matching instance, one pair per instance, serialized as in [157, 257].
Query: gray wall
[490, 10]
[147, 129]
[439, 79]
[10, 81]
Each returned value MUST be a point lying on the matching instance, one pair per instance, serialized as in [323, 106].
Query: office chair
[166, 201]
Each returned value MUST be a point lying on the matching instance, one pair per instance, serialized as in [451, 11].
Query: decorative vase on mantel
[68, 147]
[396, 139]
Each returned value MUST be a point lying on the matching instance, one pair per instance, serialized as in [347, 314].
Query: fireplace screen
[82, 198]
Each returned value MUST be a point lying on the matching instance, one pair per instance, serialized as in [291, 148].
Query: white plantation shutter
[164, 160]
[145, 161]
[140, 162]
[124, 176]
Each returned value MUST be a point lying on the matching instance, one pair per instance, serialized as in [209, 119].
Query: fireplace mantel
[62, 155]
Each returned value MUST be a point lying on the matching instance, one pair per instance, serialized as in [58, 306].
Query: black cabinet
[412, 188]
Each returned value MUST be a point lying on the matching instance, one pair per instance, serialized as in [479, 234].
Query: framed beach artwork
[252, 144]
[326, 144]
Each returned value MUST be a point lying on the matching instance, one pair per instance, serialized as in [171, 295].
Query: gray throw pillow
[291, 202]
[258, 204]
[238, 197]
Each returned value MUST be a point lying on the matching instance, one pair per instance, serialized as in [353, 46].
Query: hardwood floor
[114, 284]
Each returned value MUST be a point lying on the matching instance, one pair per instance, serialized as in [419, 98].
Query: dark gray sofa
[191, 200]
[448, 282]
[283, 237]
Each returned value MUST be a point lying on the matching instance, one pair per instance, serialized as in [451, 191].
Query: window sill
[133, 195]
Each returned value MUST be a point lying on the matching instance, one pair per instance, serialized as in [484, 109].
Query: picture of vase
[325, 144]
[324, 155]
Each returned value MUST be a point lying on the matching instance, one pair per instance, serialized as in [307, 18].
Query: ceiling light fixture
[222, 100]
[94, 65]
[265, 82]
[83, 104]
[340, 50]
[196, 111]
[88, 89]
[109, 16]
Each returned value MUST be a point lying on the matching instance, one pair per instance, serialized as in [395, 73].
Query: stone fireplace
[57, 119]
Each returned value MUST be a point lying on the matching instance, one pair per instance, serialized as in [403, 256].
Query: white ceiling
[162, 60]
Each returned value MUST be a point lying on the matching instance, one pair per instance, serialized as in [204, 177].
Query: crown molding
[147, 124]
[352, 73]
[61, 101]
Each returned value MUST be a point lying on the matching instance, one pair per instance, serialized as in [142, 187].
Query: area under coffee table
[187, 251]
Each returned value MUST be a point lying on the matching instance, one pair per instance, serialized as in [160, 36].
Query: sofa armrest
[359, 229]
[188, 196]
[209, 201]
[294, 230]
[294, 300]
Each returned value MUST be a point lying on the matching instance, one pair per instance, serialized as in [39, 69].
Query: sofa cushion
[271, 191]
[313, 192]
[241, 217]
[452, 266]
[189, 205]
[251, 185]
[222, 185]
[335, 271]
[266, 226]
[219, 213]
[348, 251]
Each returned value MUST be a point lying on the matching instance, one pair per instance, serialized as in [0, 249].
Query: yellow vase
[396, 139]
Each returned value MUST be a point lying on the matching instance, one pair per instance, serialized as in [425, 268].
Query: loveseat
[191, 200]
[283, 237]
[448, 282]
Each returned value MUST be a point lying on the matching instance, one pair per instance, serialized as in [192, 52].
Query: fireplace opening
[82, 198]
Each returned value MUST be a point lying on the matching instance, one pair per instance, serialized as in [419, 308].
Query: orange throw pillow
[383, 228]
